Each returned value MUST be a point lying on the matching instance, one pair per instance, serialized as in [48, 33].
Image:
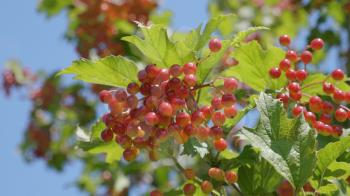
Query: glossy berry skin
[105, 96]
[327, 107]
[189, 68]
[337, 74]
[301, 75]
[292, 56]
[284, 40]
[175, 70]
[275, 72]
[310, 117]
[216, 103]
[231, 111]
[165, 109]
[341, 115]
[231, 177]
[283, 97]
[190, 80]
[285, 64]
[328, 88]
[215, 45]
[291, 74]
[297, 110]
[206, 187]
[216, 174]
[227, 100]
[107, 135]
[296, 96]
[317, 44]
[315, 103]
[189, 189]
[294, 87]
[220, 144]
[306, 57]
[151, 119]
[218, 118]
[230, 84]
[130, 154]
[338, 96]
[182, 119]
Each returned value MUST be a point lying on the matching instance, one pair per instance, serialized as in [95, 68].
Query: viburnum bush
[180, 105]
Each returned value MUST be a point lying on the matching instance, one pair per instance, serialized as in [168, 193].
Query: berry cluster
[163, 105]
[9, 79]
[97, 29]
[324, 114]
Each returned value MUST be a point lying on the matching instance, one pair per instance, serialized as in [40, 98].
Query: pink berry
[215, 45]
[189, 68]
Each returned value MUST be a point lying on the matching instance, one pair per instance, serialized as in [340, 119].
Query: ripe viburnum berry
[341, 115]
[107, 135]
[328, 88]
[275, 72]
[220, 144]
[291, 74]
[337, 74]
[206, 187]
[215, 45]
[189, 174]
[230, 84]
[189, 189]
[294, 87]
[285, 64]
[105, 96]
[317, 44]
[189, 68]
[291, 55]
[301, 75]
[217, 174]
[284, 40]
[306, 57]
[315, 103]
[156, 193]
[297, 110]
[231, 177]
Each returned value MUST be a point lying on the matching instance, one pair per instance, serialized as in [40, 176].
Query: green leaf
[337, 170]
[289, 145]
[240, 36]
[328, 189]
[211, 27]
[96, 146]
[254, 65]
[259, 179]
[156, 46]
[53, 7]
[328, 155]
[193, 147]
[111, 70]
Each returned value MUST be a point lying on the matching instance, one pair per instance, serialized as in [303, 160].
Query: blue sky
[39, 44]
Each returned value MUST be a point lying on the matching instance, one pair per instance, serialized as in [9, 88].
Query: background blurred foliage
[96, 28]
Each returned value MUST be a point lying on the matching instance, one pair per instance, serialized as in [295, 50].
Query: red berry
[309, 117]
[197, 117]
[216, 132]
[174, 83]
[120, 95]
[216, 103]
[292, 55]
[227, 100]
[152, 71]
[294, 87]
[283, 97]
[218, 118]
[175, 70]
[216, 174]
[291, 74]
[145, 89]
[162, 76]
[215, 45]
[327, 107]
[341, 115]
[190, 80]
[301, 75]
[133, 88]
[306, 57]
[231, 177]
[338, 96]
[151, 118]
[275, 72]
[182, 119]
[297, 110]
[203, 133]
[206, 187]
[142, 76]
[207, 111]
[220, 144]
[190, 130]
[317, 44]
[315, 103]
[105, 96]
[328, 88]
[124, 141]
[337, 74]
[177, 104]
[296, 96]
[337, 130]
[326, 118]
[285, 64]
[107, 135]
[130, 154]
[230, 112]
[230, 84]
[284, 40]
[165, 109]
[347, 97]
[189, 189]
[189, 68]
